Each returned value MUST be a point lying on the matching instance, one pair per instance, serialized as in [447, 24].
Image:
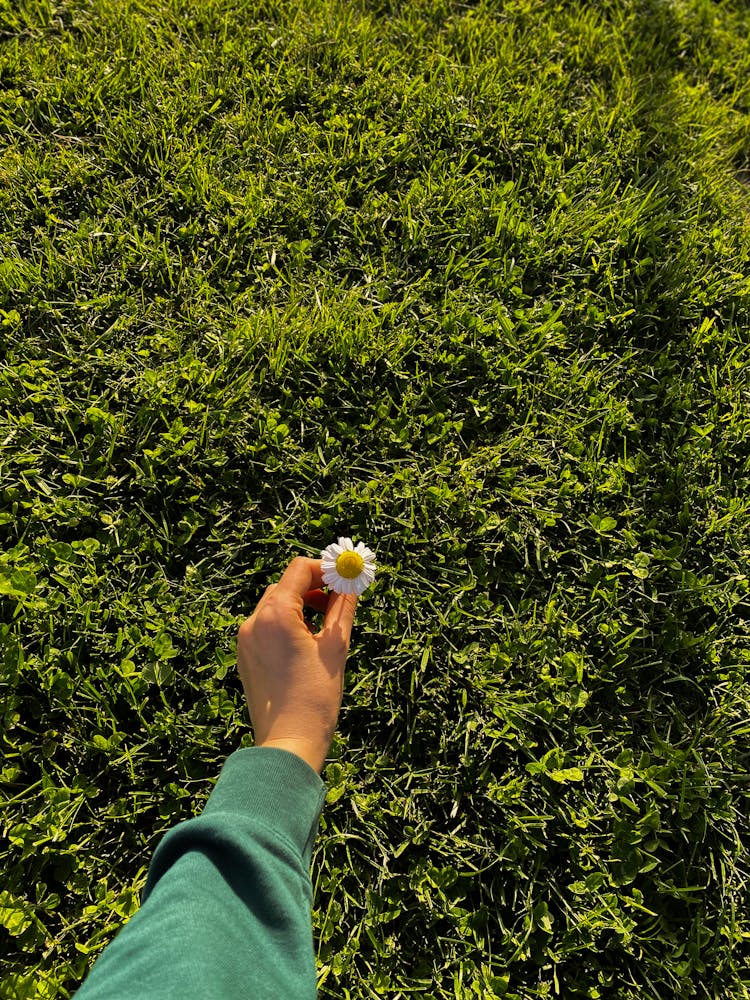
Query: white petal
[347, 543]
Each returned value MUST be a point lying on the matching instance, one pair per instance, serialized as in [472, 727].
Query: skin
[293, 678]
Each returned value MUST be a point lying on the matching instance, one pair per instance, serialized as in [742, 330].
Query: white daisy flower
[346, 569]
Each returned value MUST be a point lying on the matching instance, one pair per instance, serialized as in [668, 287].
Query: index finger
[300, 576]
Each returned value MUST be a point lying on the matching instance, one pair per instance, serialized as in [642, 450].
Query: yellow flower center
[349, 564]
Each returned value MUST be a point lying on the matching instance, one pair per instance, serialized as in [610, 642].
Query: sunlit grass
[470, 283]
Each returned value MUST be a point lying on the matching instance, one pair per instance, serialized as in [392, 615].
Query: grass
[470, 282]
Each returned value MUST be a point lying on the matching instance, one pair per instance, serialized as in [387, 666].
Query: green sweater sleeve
[226, 909]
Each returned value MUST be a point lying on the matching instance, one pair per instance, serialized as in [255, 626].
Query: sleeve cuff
[276, 788]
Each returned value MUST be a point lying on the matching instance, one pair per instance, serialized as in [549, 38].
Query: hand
[293, 678]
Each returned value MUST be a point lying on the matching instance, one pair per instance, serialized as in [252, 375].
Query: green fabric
[226, 909]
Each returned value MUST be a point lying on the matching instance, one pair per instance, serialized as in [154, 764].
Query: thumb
[338, 621]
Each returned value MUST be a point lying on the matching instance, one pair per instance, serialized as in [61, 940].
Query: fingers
[317, 600]
[300, 576]
[337, 625]
[300, 584]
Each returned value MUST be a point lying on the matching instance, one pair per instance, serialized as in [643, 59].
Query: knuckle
[266, 616]
[337, 644]
[246, 629]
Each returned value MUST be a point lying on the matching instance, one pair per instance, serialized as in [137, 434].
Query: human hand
[293, 678]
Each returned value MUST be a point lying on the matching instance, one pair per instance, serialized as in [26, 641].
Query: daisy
[348, 570]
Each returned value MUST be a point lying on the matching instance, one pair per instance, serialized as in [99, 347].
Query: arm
[226, 907]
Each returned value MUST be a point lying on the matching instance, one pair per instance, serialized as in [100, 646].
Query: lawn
[469, 282]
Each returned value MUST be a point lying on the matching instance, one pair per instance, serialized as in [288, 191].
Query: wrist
[312, 753]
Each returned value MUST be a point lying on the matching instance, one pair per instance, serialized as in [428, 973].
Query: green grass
[471, 283]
